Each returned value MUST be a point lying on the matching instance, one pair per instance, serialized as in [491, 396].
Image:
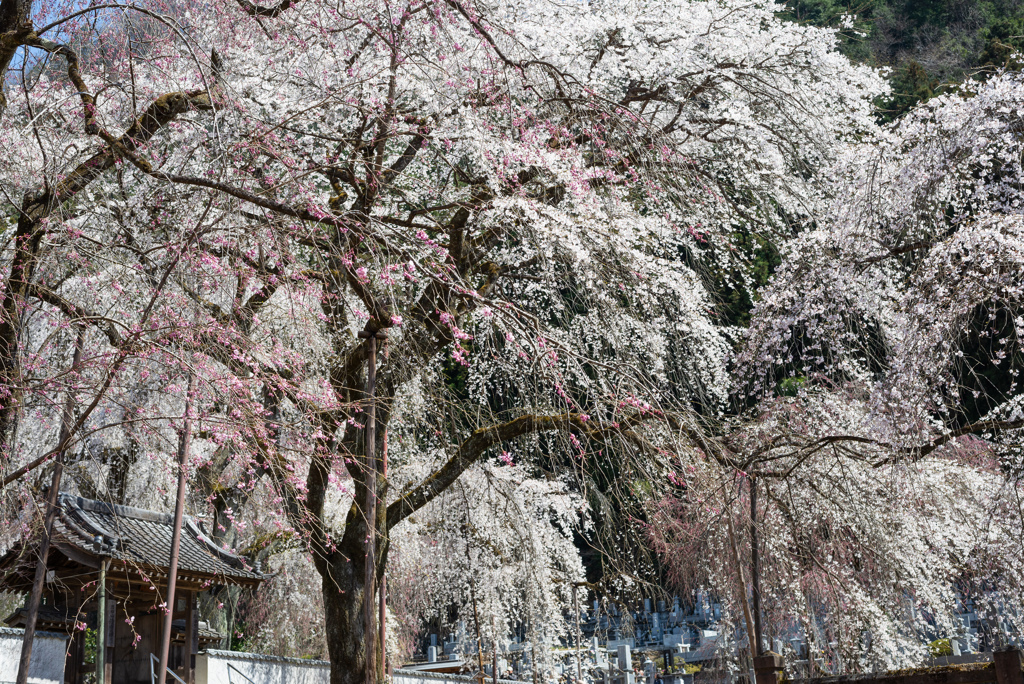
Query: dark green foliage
[790, 387]
[929, 45]
[759, 259]
[830, 13]
[983, 384]
[1003, 40]
[911, 85]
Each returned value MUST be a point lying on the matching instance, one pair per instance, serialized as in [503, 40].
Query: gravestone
[672, 640]
[625, 658]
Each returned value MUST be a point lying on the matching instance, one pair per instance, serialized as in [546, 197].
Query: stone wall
[48, 651]
[401, 676]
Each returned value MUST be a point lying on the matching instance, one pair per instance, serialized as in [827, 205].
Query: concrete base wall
[48, 652]
[965, 659]
[401, 676]
[232, 667]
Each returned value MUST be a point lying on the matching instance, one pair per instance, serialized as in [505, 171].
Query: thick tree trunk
[343, 586]
[26, 250]
[343, 611]
[15, 23]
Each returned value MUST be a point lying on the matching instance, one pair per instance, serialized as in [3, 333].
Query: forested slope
[929, 45]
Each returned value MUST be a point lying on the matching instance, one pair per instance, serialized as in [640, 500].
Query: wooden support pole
[108, 663]
[494, 651]
[370, 509]
[476, 622]
[755, 570]
[579, 640]
[191, 636]
[184, 444]
[1008, 666]
[101, 623]
[768, 668]
[35, 598]
[384, 578]
[742, 590]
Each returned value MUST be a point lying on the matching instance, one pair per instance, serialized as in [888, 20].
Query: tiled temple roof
[142, 537]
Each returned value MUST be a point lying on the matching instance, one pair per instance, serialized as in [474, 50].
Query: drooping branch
[972, 429]
[76, 312]
[559, 75]
[15, 26]
[36, 207]
[378, 310]
[477, 444]
[74, 75]
[255, 10]
[803, 451]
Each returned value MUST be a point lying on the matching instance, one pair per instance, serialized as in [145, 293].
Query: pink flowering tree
[523, 199]
[884, 361]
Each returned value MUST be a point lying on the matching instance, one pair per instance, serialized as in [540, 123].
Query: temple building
[129, 550]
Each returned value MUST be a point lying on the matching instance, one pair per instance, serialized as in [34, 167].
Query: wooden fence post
[1008, 666]
[768, 669]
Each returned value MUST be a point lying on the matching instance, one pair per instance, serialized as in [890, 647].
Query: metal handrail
[152, 670]
[232, 667]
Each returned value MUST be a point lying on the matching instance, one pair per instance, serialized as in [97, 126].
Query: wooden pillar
[1008, 666]
[191, 645]
[108, 664]
[50, 514]
[184, 445]
[755, 573]
[73, 659]
[768, 668]
[372, 676]
[101, 622]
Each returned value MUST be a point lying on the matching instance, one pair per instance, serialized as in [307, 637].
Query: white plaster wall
[48, 651]
[231, 667]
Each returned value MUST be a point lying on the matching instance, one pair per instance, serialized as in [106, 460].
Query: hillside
[927, 44]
